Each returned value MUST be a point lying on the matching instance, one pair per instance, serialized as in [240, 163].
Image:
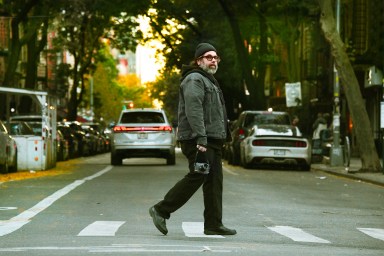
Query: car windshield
[36, 127]
[267, 118]
[20, 128]
[142, 117]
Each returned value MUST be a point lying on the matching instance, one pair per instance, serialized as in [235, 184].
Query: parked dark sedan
[62, 147]
[93, 139]
[84, 142]
[104, 139]
[73, 142]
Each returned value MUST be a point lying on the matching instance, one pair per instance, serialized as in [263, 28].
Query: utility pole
[336, 157]
[91, 98]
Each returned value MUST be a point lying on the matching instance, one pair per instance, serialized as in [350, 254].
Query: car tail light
[165, 128]
[258, 143]
[300, 144]
[279, 143]
[241, 134]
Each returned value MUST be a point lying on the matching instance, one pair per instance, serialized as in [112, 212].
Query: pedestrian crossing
[373, 232]
[297, 234]
[196, 229]
[101, 228]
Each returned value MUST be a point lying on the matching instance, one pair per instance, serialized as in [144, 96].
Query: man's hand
[201, 148]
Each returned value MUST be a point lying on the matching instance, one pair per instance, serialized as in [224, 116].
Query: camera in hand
[201, 163]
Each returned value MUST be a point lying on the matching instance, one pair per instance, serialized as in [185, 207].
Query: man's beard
[210, 70]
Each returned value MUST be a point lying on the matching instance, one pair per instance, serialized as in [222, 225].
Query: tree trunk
[261, 64]
[256, 91]
[362, 126]
[73, 101]
[32, 63]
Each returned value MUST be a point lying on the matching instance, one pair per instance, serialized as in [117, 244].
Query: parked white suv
[143, 133]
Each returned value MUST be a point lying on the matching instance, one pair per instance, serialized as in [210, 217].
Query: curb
[350, 175]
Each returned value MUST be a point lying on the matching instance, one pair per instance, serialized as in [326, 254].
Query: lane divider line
[13, 224]
[229, 171]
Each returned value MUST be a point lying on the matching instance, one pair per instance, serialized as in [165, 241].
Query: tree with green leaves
[112, 91]
[279, 21]
[166, 89]
[28, 27]
[28, 20]
[82, 24]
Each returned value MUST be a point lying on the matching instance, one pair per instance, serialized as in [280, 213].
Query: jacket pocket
[209, 99]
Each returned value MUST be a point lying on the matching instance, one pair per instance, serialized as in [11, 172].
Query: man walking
[202, 127]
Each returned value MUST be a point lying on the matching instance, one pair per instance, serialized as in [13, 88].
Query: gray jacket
[201, 112]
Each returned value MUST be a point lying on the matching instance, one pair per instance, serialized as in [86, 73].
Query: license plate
[142, 136]
[279, 152]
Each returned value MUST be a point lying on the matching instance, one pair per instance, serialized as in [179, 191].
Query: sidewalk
[351, 172]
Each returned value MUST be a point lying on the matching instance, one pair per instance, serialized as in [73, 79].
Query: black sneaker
[158, 220]
[220, 231]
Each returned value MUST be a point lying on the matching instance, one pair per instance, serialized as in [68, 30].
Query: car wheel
[14, 166]
[305, 167]
[243, 162]
[116, 159]
[60, 155]
[4, 167]
[231, 156]
[73, 152]
[171, 159]
[66, 158]
[235, 158]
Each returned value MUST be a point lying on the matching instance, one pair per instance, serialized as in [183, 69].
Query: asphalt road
[93, 208]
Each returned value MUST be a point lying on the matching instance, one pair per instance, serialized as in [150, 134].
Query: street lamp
[127, 102]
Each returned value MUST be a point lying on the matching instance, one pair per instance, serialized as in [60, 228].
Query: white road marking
[135, 248]
[196, 229]
[229, 171]
[13, 224]
[7, 208]
[297, 234]
[101, 228]
[373, 232]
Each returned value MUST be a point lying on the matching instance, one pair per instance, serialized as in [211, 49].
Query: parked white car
[8, 151]
[275, 144]
[242, 127]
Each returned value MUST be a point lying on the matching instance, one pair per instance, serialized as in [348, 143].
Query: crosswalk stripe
[101, 228]
[373, 232]
[196, 229]
[297, 234]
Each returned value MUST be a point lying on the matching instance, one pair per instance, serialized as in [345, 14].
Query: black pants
[187, 186]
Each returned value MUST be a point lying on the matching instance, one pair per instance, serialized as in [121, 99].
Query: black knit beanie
[203, 48]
